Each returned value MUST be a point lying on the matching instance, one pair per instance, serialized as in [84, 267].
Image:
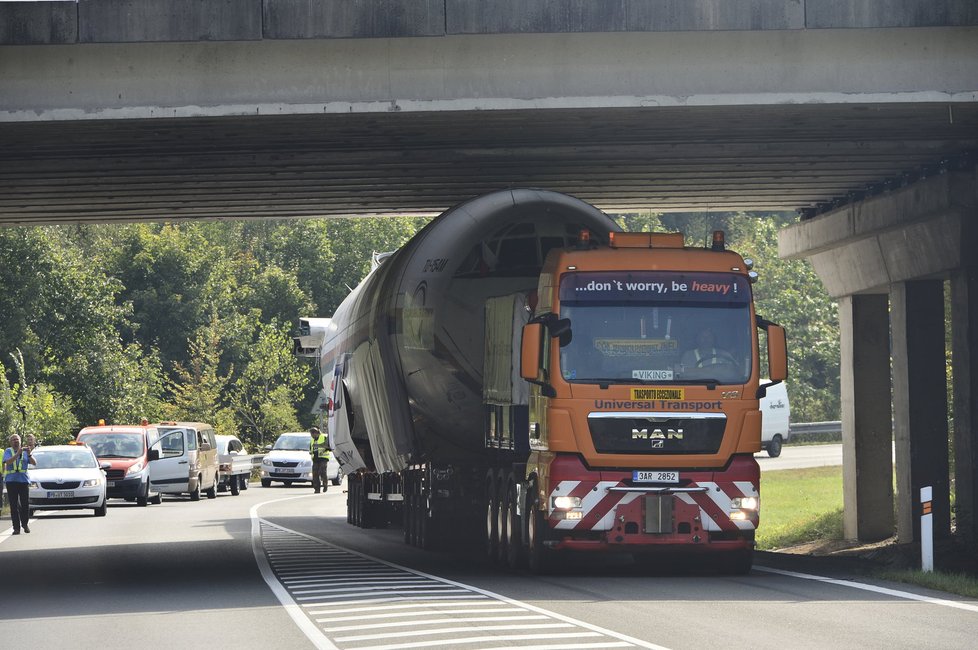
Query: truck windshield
[114, 445]
[656, 327]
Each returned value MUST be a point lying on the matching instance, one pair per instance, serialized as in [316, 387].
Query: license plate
[110, 483]
[61, 495]
[644, 476]
[281, 470]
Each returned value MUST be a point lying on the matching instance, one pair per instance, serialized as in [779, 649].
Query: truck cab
[125, 449]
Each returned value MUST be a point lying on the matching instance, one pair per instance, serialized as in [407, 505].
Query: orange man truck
[523, 368]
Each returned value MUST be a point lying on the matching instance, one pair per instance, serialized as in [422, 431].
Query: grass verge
[799, 506]
[954, 583]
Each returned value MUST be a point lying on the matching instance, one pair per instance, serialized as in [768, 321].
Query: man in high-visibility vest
[319, 450]
[15, 462]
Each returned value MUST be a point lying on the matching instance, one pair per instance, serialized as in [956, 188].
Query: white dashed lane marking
[360, 603]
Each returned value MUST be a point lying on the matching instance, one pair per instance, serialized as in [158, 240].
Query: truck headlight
[566, 503]
[744, 503]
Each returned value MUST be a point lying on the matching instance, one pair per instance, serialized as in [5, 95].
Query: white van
[775, 416]
[184, 460]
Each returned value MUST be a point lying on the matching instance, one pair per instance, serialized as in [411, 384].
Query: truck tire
[539, 558]
[491, 531]
[515, 555]
[774, 447]
[234, 482]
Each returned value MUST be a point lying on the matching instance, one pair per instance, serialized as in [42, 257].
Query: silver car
[289, 461]
[66, 477]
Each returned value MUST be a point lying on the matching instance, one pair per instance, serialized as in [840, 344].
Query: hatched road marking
[345, 600]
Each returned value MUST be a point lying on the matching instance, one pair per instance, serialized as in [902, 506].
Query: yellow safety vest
[318, 448]
[20, 464]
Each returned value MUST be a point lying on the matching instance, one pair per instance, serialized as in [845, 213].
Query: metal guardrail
[803, 428]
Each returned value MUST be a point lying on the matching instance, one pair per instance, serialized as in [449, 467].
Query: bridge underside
[758, 157]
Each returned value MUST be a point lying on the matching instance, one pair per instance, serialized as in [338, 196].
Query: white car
[66, 477]
[289, 461]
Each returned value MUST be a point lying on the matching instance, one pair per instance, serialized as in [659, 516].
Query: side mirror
[530, 352]
[105, 466]
[561, 330]
[777, 353]
[267, 447]
[153, 454]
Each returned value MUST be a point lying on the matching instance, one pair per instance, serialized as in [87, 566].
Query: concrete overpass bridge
[861, 114]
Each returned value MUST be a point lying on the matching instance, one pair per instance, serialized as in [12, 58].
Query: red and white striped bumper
[614, 510]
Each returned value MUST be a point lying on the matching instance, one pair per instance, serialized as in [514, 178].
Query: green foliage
[34, 408]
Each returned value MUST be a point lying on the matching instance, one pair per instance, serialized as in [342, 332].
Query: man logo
[657, 435]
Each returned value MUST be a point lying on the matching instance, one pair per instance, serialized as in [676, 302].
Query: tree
[34, 408]
[198, 392]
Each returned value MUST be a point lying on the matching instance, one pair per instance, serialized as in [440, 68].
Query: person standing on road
[319, 450]
[15, 462]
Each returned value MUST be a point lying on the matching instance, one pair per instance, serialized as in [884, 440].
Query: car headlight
[135, 468]
[266, 462]
[566, 503]
[34, 485]
[305, 463]
[92, 482]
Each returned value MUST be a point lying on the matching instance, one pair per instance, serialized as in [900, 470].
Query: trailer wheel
[234, 483]
[492, 521]
[244, 481]
[514, 542]
[774, 447]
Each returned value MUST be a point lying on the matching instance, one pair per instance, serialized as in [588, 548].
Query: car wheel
[195, 495]
[774, 447]
[244, 481]
[100, 511]
[143, 498]
[337, 480]
[211, 492]
[157, 498]
[266, 482]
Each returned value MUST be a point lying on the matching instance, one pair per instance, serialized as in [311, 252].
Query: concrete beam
[867, 434]
[352, 18]
[140, 21]
[889, 13]
[920, 405]
[912, 233]
[37, 23]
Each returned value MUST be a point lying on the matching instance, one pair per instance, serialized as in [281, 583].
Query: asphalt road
[280, 568]
[801, 456]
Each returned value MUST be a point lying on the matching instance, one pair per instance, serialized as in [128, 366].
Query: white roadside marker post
[926, 530]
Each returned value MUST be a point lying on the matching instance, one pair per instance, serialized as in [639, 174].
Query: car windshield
[656, 327]
[114, 445]
[73, 458]
[292, 443]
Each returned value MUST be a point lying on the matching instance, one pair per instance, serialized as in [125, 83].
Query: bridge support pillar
[867, 472]
[920, 404]
[964, 334]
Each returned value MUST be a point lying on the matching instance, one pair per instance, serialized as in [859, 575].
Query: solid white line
[568, 646]
[310, 629]
[434, 621]
[879, 590]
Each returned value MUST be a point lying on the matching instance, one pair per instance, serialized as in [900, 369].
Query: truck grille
[656, 433]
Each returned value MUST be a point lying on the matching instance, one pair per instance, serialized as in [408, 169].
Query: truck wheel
[195, 495]
[234, 482]
[212, 490]
[502, 523]
[539, 557]
[266, 482]
[774, 447]
[491, 532]
[736, 563]
[514, 527]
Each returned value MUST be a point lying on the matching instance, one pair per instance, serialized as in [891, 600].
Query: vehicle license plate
[110, 483]
[644, 476]
[285, 470]
[68, 494]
